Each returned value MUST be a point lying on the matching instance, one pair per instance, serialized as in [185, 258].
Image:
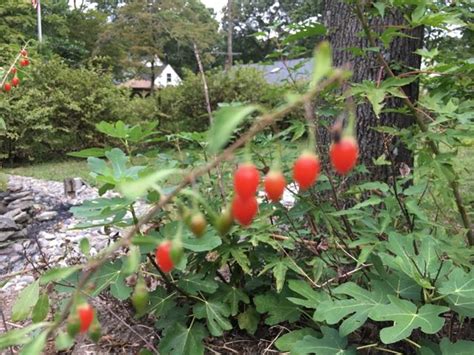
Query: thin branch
[263, 122]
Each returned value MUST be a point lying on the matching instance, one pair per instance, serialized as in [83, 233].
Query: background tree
[143, 30]
[271, 17]
[344, 29]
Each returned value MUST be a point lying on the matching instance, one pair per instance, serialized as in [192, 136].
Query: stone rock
[6, 235]
[3, 208]
[21, 234]
[46, 235]
[15, 187]
[23, 205]
[46, 216]
[18, 215]
[8, 224]
[18, 196]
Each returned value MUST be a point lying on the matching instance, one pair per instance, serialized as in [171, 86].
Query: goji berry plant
[345, 265]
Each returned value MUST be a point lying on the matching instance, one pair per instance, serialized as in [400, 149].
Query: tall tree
[251, 17]
[145, 29]
[350, 47]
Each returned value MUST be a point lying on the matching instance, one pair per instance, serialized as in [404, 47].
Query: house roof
[279, 72]
[137, 84]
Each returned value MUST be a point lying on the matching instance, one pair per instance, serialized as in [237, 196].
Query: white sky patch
[217, 5]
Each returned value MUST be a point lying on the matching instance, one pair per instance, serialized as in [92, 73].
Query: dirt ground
[122, 334]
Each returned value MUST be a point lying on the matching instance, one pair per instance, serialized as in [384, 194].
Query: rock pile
[18, 210]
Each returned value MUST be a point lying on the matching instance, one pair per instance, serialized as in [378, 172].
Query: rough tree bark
[344, 32]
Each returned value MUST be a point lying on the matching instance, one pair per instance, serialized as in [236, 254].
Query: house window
[168, 78]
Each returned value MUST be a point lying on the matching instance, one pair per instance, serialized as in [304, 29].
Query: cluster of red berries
[15, 81]
[343, 154]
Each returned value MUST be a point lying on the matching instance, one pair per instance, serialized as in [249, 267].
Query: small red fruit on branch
[163, 256]
[274, 184]
[13, 71]
[24, 53]
[86, 316]
[306, 170]
[246, 180]
[344, 154]
[7, 87]
[244, 210]
[15, 81]
[24, 62]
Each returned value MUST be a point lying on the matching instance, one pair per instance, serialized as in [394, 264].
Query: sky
[217, 5]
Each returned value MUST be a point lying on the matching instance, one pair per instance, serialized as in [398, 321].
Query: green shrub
[183, 108]
[55, 111]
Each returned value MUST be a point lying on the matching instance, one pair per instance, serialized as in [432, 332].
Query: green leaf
[241, 258]
[322, 63]
[407, 318]
[193, 283]
[119, 162]
[116, 130]
[139, 188]
[19, 336]
[111, 275]
[35, 346]
[180, 340]
[41, 309]
[279, 272]
[279, 309]
[315, 29]
[90, 152]
[25, 302]
[161, 302]
[287, 341]
[63, 341]
[216, 314]
[84, 246]
[459, 289]
[2, 125]
[461, 347]
[226, 120]
[358, 306]
[311, 299]
[248, 320]
[380, 6]
[209, 241]
[331, 343]
[233, 296]
[58, 274]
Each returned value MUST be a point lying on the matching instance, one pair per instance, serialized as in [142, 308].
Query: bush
[183, 108]
[45, 122]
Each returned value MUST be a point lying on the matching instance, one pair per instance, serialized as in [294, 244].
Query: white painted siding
[168, 77]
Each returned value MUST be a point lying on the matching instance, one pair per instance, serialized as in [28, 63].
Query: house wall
[162, 79]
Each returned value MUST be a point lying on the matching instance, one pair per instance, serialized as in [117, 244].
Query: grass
[56, 171]
[465, 166]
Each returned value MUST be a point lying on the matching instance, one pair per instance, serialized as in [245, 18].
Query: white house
[166, 76]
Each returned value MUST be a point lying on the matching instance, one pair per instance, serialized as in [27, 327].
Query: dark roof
[279, 72]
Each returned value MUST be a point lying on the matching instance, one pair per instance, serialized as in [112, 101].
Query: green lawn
[465, 166]
[56, 171]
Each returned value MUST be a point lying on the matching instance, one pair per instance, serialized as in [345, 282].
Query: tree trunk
[230, 33]
[344, 32]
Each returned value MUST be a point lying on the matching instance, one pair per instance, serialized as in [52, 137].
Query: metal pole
[40, 30]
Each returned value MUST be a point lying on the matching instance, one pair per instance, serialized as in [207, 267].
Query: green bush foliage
[55, 110]
[183, 108]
